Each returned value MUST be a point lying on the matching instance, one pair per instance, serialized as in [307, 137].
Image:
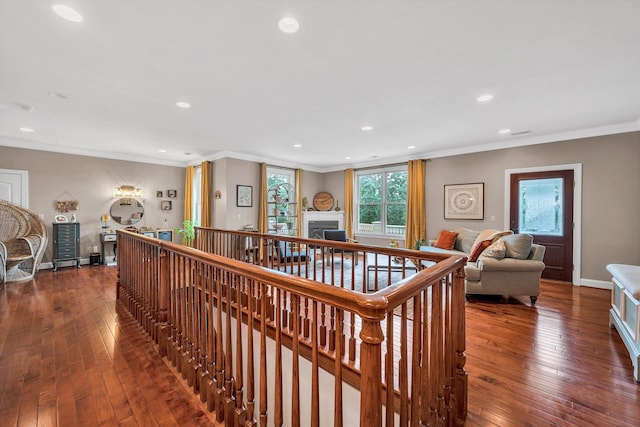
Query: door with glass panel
[542, 205]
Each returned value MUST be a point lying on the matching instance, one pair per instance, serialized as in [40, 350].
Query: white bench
[625, 309]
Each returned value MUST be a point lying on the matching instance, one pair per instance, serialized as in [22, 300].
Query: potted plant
[188, 232]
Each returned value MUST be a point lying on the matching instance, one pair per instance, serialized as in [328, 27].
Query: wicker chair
[23, 240]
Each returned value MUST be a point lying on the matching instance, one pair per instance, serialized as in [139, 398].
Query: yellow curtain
[262, 210]
[416, 228]
[188, 192]
[348, 202]
[299, 201]
[205, 197]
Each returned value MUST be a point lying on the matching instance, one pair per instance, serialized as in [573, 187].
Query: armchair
[338, 236]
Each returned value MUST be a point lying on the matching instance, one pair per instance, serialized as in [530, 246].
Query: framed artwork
[158, 193]
[464, 201]
[244, 196]
[172, 193]
[165, 205]
[61, 218]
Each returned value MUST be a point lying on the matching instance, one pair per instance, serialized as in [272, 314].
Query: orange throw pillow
[477, 249]
[446, 239]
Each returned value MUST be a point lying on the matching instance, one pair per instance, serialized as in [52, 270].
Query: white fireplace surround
[321, 216]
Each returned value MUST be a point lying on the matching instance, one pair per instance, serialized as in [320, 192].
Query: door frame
[24, 190]
[577, 208]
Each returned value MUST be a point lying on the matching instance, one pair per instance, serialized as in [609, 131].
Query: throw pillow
[466, 239]
[446, 239]
[497, 250]
[518, 245]
[477, 249]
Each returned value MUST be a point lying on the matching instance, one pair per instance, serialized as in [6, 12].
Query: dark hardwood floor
[70, 356]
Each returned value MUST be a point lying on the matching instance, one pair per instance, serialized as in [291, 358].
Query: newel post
[371, 373]
[460, 379]
[163, 303]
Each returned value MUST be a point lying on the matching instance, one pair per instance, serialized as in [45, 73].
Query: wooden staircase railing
[251, 340]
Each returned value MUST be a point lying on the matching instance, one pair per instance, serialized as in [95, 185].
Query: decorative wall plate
[323, 201]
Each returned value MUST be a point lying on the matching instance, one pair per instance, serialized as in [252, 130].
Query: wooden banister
[401, 344]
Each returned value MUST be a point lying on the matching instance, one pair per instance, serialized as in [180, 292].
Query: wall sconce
[217, 194]
[127, 191]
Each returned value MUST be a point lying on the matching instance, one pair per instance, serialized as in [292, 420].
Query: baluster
[338, 356]
[315, 383]
[240, 414]
[403, 370]
[389, 370]
[229, 399]
[250, 357]
[415, 360]
[263, 356]
[278, 415]
[295, 371]
[220, 371]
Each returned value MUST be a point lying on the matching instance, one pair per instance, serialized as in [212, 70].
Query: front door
[541, 204]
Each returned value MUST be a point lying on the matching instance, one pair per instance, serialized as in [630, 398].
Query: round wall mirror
[126, 211]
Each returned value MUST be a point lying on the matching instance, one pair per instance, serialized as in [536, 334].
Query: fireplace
[316, 228]
[313, 222]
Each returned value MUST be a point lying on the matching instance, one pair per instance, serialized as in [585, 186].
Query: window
[382, 201]
[279, 176]
[196, 197]
[281, 201]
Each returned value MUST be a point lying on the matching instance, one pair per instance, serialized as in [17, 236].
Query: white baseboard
[49, 265]
[600, 284]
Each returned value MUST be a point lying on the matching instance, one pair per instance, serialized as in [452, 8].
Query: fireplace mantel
[308, 216]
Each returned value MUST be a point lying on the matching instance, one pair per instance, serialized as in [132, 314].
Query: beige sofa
[517, 273]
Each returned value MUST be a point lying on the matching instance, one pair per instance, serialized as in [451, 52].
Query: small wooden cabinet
[66, 243]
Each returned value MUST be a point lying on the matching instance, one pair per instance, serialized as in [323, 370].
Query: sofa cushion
[446, 239]
[478, 248]
[465, 240]
[497, 250]
[518, 245]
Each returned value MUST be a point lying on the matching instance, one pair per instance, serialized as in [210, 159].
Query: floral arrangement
[66, 205]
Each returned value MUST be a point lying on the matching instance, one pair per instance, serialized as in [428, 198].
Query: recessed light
[162, 151]
[366, 128]
[485, 98]
[347, 158]
[29, 130]
[297, 145]
[57, 95]
[182, 104]
[504, 131]
[288, 25]
[67, 13]
[411, 147]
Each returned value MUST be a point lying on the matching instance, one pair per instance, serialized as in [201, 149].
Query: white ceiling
[411, 69]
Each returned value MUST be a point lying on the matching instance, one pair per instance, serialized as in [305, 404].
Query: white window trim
[356, 201]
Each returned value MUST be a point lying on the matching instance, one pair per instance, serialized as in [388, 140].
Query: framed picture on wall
[159, 193]
[172, 193]
[165, 205]
[464, 201]
[244, 196]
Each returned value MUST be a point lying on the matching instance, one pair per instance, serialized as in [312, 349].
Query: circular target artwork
[464, 201]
